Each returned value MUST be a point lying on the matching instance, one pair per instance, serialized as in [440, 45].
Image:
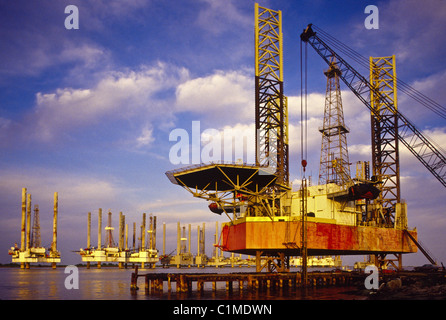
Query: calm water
[114, 284]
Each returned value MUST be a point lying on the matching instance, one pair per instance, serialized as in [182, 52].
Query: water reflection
[114, 284]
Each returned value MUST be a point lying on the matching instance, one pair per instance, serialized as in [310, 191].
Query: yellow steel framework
[385, 155]
[271, 106]
[268, 42]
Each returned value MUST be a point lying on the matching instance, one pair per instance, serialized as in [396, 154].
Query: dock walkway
[186, 282]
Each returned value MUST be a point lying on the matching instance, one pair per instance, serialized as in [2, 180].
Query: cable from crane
[364, 62]
[303, 148]
[303, 108]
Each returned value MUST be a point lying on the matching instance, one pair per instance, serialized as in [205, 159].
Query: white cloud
[117, 95]
[315, 105]
[360, 150]
[225, 96]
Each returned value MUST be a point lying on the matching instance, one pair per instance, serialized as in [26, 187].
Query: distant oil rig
[142, 252]
[30, 250]
[121, 252]
[146, 254]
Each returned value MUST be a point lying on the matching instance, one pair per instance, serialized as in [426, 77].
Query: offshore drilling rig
[146, 253]
[340, 215]
[30, 250]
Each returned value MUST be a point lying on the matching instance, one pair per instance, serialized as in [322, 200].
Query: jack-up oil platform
[31, 250]
[121, 252]
[339, 216]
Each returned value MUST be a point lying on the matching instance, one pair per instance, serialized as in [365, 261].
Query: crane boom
[418, 144]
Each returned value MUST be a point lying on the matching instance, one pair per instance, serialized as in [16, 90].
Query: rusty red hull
[271, 237]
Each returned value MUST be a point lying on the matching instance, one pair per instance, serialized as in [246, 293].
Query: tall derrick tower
[35, 237]
[334, 165]
[270, 104]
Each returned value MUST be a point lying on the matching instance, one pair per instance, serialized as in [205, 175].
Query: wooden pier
[187, 282]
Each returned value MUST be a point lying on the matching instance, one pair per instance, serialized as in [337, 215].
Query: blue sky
[88, 112]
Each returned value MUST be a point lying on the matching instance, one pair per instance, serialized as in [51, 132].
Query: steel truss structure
[385, 153]
[35, 236]
[334, 165]
[271, 115]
